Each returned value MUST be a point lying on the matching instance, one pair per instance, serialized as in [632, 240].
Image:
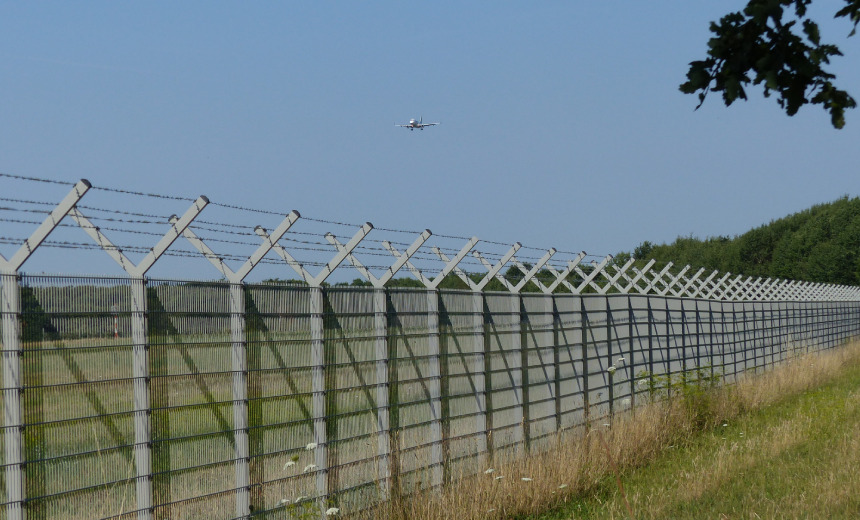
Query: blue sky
[562, 124]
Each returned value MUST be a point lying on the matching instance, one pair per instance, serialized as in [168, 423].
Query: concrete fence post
[10, 307]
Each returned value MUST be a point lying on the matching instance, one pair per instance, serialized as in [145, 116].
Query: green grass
[798, 457]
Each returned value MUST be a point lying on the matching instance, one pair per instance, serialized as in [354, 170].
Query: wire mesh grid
[503, 374]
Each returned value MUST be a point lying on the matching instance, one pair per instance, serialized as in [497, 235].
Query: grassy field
[779, 445]
[797, 457]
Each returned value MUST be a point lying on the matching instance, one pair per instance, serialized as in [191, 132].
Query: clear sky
[562, 123]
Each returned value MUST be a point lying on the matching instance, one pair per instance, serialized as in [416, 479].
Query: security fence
[343, 393]
[139, 397]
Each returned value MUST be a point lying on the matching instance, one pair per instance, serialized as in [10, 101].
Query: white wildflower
[562, 486]
[289, 463]
[526, 479]
[643, 383]
[311, 446]
[309, 467]
[489, 471]
[300, 499]
[491, 510]
[611, 369]
[625, 402]
[725, 424]
[621, 361]
[606, 425]
[500, 477]
[332, 511]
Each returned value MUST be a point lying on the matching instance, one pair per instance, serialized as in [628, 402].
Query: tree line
[819, 244]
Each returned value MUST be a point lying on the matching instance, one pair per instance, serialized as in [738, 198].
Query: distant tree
[405, 282]
[282, 281]
[621, 258]
[356, 282]
[774, 43]
[643, 250]
[819, 244]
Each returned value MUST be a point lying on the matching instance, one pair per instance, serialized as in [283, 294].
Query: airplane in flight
[417, 123]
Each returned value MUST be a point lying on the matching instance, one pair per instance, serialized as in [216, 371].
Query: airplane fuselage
[417, 123]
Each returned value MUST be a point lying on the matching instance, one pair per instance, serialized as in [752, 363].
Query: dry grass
[578, 465]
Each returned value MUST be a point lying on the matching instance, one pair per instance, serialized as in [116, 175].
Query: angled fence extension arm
[239, 355]
[457, 271]
[452, 264]
[588, 279]
[671, 284]
[240, 274]
[494, 270]
[717, 288]
[632, 282]
[140, 342]
[391, 271]
[48, 225]
[687, 289]
[611, 280]
[657, 278]
[499, 276]
[12, 354]
[324, 475]
[561, 276]
[530, 276]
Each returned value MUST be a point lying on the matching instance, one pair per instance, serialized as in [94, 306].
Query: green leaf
[772, 42]
[812, 32]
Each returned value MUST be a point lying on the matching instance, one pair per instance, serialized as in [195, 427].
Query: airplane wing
[429, 124]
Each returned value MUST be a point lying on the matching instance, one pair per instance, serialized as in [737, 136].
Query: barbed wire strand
[257, 210]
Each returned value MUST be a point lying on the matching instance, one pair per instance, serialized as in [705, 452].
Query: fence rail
[135, 397]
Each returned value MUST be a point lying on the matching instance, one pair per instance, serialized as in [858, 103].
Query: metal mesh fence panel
[618, 352]
[538, 345]
[570, 361]
[639, 348]
[350, 394]
[77, 398]
[596, 347]
[6, 351]
[462, 334]
[676, 350]
[277, 324]
[191, 394]
[504, 372]
[412, 365]
[413, 388]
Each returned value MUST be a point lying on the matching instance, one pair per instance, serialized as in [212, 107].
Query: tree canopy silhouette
[773, 43]
[819, 244]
